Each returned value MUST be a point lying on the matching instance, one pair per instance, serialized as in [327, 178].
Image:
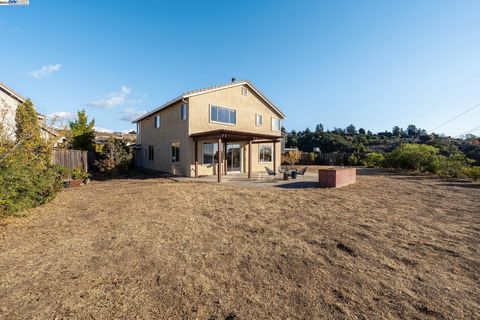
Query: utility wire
[469, 131]
[456, 117]
[451, 93]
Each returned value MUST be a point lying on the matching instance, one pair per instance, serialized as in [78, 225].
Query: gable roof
[15, 95]
[11, 93]
[212, 89]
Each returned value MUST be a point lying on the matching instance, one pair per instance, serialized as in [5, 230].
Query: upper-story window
[244, 91]
[222, 115]
[183, 111]
[156, 122]
[259, 119]
[276, 124]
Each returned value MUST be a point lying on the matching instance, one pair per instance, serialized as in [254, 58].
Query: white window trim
[259, 154]
[218, 122]
[155, 122]
[186, 111]
[244, 91]
[261, 124]
[279, 123]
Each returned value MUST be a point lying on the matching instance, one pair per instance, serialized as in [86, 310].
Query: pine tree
[83, 134]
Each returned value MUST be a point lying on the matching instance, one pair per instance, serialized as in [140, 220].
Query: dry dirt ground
[389, 247]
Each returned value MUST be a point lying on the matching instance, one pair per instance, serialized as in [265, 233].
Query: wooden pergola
[223, 136]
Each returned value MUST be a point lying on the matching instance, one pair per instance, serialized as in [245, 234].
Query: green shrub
[23, 187]
[411, 157]
[448, 166]
[115, 159]
[374, 159]
[472, 173]
[27, 178]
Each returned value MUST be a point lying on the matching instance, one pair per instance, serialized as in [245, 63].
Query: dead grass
[388, 247]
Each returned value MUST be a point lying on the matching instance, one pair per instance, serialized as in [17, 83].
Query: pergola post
[225, 160]
[274, 156]
[196, 158]
[219, 161]
[249, 159]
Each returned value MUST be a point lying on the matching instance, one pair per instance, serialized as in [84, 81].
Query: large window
[183, 112]
[276, 124]
[265, 153]
[175, 151]
[150, 153]
[210, 153]
[156, 122]
[259, 119]
[223, 115]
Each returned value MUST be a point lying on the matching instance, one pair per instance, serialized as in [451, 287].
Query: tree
[396, 131]
[361, 131]
[83, 134]
[411, 131]
[319, 128]
[27, 129]
[351, 129]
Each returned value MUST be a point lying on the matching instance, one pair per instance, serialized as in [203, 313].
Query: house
[9, 101]
[186, 135]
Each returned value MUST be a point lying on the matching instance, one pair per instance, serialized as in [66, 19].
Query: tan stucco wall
[8, 108]
[171, 130]
[246, 107]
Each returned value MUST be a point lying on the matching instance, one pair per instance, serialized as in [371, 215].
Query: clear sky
[375, 64]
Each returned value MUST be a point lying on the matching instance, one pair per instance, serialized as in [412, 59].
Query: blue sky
[375, 64]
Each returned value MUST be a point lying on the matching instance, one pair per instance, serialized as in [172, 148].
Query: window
[183, 112]
[265, 153]
[259, 119]
[223, 115]
[244, 91]
[210, 153]
[150, 153]
[175, 151]
[145, 153]
[276, 124]
[156, 122]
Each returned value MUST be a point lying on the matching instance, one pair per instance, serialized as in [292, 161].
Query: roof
[232, 135]
[12, 93]
[193, 93]
[15, 95]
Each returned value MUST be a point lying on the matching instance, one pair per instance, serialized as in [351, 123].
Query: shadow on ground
[299, 185]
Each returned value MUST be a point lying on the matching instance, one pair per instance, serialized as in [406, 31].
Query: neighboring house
[186, 135]
[9, 101]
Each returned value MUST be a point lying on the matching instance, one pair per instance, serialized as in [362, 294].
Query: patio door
[233, 157]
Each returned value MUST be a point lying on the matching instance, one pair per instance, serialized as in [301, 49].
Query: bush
[115, 159]
[27, 178]
[292, 157]
[472, 173]
[23, 187]
[411, 157]
[448, 166]
[374, 159]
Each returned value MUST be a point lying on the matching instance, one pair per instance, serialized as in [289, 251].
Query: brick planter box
[336, 177]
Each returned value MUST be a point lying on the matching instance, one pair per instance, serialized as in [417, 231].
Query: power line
[451, 93]
[456, 117]
[469, 131]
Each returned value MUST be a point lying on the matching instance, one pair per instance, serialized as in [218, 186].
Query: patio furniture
[270, 171]
[302, 172]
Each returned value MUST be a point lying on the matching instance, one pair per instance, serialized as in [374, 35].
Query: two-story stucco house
[9, 101]
[186, 135]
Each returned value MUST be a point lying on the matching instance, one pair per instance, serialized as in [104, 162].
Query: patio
[258, 179]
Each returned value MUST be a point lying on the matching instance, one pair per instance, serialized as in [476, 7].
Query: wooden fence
[72, 159]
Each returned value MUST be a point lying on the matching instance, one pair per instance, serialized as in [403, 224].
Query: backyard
[391, 246]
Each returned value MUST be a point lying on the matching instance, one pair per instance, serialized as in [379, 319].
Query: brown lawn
[388, 247]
